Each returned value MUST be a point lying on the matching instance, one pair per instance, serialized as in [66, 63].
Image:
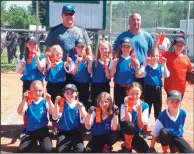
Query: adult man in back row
[66, 33]
[142, 41]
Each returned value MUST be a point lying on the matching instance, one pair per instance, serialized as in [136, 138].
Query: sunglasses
[69, 14]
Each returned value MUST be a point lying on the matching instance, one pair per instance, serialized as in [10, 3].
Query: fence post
[187, 26]
[110, 28]
[37, 19]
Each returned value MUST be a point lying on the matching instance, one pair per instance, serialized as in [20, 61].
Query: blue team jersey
[98, 73]
[175, 127]
[70, 119]
[153, 76]
[31, 71]
[56, 74]
[82, 75]
[124, 74]
[37, 116]
[142, 43]
[101, 128]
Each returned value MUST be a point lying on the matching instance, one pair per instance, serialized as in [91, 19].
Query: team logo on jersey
[180, 127]
[42, 110]
[107, 126]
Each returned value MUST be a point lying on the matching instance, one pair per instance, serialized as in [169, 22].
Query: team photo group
[69, 86]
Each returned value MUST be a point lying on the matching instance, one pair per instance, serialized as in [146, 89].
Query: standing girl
[153, 72]
[103, 123]
[123, 73]
[32, 67]
[134, 114]
[100, 72]
[35, 108]
[56, 75]
[69, 112]
[81, 75]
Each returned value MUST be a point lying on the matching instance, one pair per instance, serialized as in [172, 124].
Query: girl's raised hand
[89, 57]
[48, 97]
[139, 108]
[79, 105]
[57, 99]
[37, 54]
[136, 61]
[47, 54]
[26, 94]
[69, 60]
[163, 61]
[115, 61]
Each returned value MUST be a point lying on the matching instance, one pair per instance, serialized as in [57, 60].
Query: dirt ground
[11, 122]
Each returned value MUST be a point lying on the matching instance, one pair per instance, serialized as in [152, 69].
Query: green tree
[3, 12]
[19, 18]
[41, 9]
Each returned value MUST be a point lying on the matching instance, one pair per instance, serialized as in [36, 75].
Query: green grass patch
[5, 67]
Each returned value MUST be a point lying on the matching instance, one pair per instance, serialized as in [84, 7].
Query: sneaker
[107, 149]
[23, 134]
[126, 150]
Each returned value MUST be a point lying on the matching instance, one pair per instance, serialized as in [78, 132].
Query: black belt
[154, 87]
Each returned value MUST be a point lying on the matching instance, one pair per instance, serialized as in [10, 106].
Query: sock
[106, 148]
[25, 121]
[54, 125]
[128, 140]
[165, 148]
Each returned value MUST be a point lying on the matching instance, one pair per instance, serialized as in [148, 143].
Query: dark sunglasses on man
[68, 14]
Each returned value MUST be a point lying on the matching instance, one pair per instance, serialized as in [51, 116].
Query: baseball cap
[126, 41]
[32, 39]
[174, 94]
[80, 42]
[70, 86]
[68, 7]
[179, 39]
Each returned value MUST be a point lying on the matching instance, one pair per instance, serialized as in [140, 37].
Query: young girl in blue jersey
[99, 69]
[69, 120]
[56, 76]
[104, 133]
[121, 71]
[37, 121]
[169, 126]
[80, 72]
[153, 72]
[31, 70]
[133, 116]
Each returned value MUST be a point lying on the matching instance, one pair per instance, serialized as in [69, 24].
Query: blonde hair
[36, 82]
[103, 43]
[56, 48]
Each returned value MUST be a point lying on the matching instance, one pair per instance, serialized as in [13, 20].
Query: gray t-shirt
[66, 37]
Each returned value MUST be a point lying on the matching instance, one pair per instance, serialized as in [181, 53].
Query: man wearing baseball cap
[66, 33]
[177, 64]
